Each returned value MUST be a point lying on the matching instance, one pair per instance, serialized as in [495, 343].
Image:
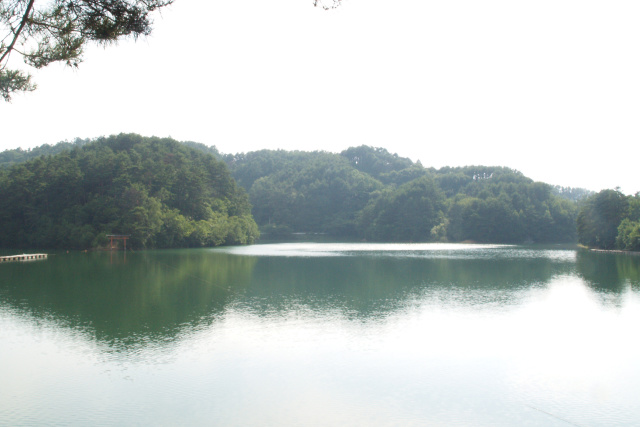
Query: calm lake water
[313, 334]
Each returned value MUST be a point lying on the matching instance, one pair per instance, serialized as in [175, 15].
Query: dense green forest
[161, 192]
[369, 193]
[170, 194]
[9, 158]
[610, 220]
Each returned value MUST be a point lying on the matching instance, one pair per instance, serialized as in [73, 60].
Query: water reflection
[155, 295]
[609, 272]
[370, 286]
[150, 296]
[457, 335]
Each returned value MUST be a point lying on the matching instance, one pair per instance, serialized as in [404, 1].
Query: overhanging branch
[23, 22]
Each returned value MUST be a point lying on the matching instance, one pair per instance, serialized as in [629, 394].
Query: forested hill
[161, 192]
[9, 158]
[170, 194]
[369, 193]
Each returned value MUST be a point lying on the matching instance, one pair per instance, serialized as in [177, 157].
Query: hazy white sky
[551, 88]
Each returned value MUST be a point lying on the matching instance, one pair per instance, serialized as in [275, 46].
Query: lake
[322, 334]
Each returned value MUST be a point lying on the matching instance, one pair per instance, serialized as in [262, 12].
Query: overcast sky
[551, 88]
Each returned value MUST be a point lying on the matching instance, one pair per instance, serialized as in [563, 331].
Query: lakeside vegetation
[186, 194]
[610, 220]
[159, 191]
[369, 193]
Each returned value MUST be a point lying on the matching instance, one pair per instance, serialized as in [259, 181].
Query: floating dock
[23, 257]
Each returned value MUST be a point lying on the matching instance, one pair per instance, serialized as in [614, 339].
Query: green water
[311, 334]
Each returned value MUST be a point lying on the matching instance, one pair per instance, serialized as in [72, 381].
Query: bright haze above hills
[549, 88]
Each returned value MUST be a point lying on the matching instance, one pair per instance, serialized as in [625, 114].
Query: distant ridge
[372, 194]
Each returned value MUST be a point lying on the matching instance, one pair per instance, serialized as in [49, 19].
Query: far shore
[615, 251]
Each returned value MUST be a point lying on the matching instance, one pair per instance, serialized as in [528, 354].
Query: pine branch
[23, 22]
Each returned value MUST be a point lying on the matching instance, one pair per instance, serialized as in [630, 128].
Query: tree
[375, 161]
[407, 214]
[628, 238]
[58, 30]
[307, 192]
[491, 220]
[600, 217]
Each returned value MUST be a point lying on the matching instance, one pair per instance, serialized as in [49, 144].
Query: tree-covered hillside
[9, 158]
[610, 220]
[167, 194]
[368, 193]
[303, 191]
[161, 192]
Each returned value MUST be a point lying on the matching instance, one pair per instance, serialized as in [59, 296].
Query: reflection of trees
[150, 296]
[373, 285]
[611, 272]
[154, 296]
[629, 268]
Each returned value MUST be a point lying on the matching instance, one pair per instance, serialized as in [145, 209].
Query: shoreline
[615, 251]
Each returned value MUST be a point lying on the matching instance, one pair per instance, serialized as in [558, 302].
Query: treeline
[610, 220]
[369, 193]
[9, 158]
[170, 194]
[161, 192]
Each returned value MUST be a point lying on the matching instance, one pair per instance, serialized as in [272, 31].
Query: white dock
[23, 257]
